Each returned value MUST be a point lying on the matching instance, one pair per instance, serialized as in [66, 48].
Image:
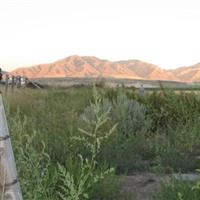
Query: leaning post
[9, 183]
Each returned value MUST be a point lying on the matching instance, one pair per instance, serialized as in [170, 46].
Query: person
[141, 90]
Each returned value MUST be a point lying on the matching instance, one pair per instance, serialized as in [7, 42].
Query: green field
[114, 82]
[76, 143]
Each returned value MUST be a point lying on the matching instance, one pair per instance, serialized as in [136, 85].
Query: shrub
[130, 116]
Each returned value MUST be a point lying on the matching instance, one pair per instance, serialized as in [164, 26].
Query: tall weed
[78, 188]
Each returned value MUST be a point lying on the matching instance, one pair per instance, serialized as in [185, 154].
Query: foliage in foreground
[179, 190]
[158, 132]
[40, 178]
[88, 174]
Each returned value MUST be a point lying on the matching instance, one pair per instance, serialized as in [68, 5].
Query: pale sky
[163, 32]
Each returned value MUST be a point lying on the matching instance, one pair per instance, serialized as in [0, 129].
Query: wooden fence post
[18, 81]
[26, 81]
[6, 83]
[9, 185]
[13, 83]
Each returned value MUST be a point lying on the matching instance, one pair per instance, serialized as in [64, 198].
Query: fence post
[6, 83]
[13, 83]
[9, 185]
[25, 81]
[18, 81]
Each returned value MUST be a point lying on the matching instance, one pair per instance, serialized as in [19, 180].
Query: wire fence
[16, 82]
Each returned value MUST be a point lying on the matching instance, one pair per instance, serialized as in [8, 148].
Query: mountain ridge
[91, 66]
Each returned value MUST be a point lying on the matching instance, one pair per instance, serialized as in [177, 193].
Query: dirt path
[144, 186]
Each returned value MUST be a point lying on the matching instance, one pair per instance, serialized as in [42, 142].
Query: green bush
[130, 116]
[167, 108]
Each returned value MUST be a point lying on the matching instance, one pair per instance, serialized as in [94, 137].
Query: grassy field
[75, 143]
[114, 82]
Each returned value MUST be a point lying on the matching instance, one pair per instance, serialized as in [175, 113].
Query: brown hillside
[188, 74]
[76, 66]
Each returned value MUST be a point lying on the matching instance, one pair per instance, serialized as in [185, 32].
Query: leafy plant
[75, 189]
[38, 177]
[178, 190]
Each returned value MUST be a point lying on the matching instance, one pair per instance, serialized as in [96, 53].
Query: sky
[163, 32]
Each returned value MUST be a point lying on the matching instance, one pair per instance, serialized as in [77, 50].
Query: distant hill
[191, 73]
[88, 66]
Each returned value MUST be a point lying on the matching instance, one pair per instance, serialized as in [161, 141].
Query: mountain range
[88, 66]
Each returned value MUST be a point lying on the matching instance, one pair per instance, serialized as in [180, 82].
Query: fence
[10, 81]
[9, 185]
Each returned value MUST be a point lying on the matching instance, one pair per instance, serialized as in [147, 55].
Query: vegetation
[179, 190]
[70, 143]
